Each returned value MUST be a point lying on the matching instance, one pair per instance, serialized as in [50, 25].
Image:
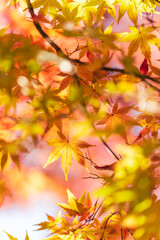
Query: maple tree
[69, 73]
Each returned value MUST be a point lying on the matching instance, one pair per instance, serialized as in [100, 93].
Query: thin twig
[107, 223]
[89, 159]
[44, 69]
[92, 216]
[104, 167]
[94, 176]
[102, 140]
[130, 232]
[109, 149]
[122, 234]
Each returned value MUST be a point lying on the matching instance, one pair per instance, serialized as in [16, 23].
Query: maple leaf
[10, 236]
[81, 206]
[90, 56]
[66, 149]
[47, 6]
[144, 67]
[150, 124]
[117, 120]
[141, 38]
[89, 49]
[145, 131]
[27, 237]
[130, 7]
[66, 82]
[133, 7]
[105, 3]
[53, 223]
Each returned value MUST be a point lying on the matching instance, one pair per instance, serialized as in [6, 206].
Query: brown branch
[122, 234]
[123, 71]
[138, 75]
[109, 149]
[92, 216]
[44, 69]
[93, 176]
[104, 167]
[107, 223]
[39, 28]
[102, 140]
[47, 38]
[130, 233]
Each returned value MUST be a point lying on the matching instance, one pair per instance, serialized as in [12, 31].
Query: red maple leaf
[144, 67]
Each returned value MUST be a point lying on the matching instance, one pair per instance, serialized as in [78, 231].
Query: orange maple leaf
[117, 120]
[66, 149]
[81, 207]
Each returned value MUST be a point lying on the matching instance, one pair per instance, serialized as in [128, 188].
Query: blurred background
[32, 192]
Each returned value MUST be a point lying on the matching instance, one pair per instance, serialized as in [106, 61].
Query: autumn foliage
[83, 78]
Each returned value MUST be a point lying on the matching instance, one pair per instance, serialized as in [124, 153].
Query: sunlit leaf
[66, 149]
[81, 206]
[27, 237]
[144, 67]
[144, 37]
[11, 237]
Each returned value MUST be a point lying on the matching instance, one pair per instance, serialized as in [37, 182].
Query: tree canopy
[74, 75]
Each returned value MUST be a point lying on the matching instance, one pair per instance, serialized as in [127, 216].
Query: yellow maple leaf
[82, 206]
[66, 149]
[130, 7]
[133, 7]
[141, 38]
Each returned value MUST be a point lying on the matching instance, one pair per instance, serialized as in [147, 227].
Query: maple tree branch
[109, 149]
[49, 40]
[76, 61]
[39, 28]
[132, 74]
[122, 234]
[102, 140]
[130, 233]
[46, 37]
[107, 223]
[89, 159]
[92, 216]
[93, 176]
[141, 76]
[109, 167]
[44, 69]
